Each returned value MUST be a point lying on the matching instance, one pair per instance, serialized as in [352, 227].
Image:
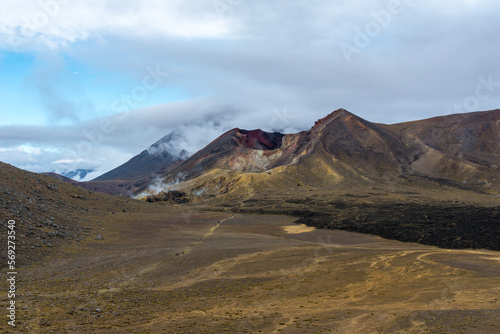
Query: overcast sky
[89, 84]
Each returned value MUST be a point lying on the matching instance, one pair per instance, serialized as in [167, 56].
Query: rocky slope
[49, 212]
[464, 147]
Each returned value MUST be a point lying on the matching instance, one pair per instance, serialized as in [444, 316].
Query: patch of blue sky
[92, 91]
[17, 106]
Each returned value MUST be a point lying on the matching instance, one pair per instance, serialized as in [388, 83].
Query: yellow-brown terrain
[248, 274]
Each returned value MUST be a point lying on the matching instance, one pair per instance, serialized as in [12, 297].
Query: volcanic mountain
[343, 149]
[158, 159]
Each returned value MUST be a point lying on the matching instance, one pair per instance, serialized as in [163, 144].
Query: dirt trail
[210, 232]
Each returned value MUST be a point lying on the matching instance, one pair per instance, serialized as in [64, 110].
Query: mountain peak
[334, 115]
[167, 145]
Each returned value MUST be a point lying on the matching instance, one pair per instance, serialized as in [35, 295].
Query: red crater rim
[258, 139]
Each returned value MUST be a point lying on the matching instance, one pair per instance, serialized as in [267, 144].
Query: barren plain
[174, 270]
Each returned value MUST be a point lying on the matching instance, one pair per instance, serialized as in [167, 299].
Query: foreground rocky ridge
[49, 212]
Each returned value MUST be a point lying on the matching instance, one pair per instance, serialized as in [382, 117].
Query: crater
[259, 140]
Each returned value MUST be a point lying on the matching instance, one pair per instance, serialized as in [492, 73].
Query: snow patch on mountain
[77, 175]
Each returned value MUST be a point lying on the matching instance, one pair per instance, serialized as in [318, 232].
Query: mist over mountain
[156, 158]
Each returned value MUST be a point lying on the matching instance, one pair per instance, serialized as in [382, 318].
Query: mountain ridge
[352, 150]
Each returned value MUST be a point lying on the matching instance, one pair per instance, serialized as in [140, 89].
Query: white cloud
[57, 23]
[68, 161]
